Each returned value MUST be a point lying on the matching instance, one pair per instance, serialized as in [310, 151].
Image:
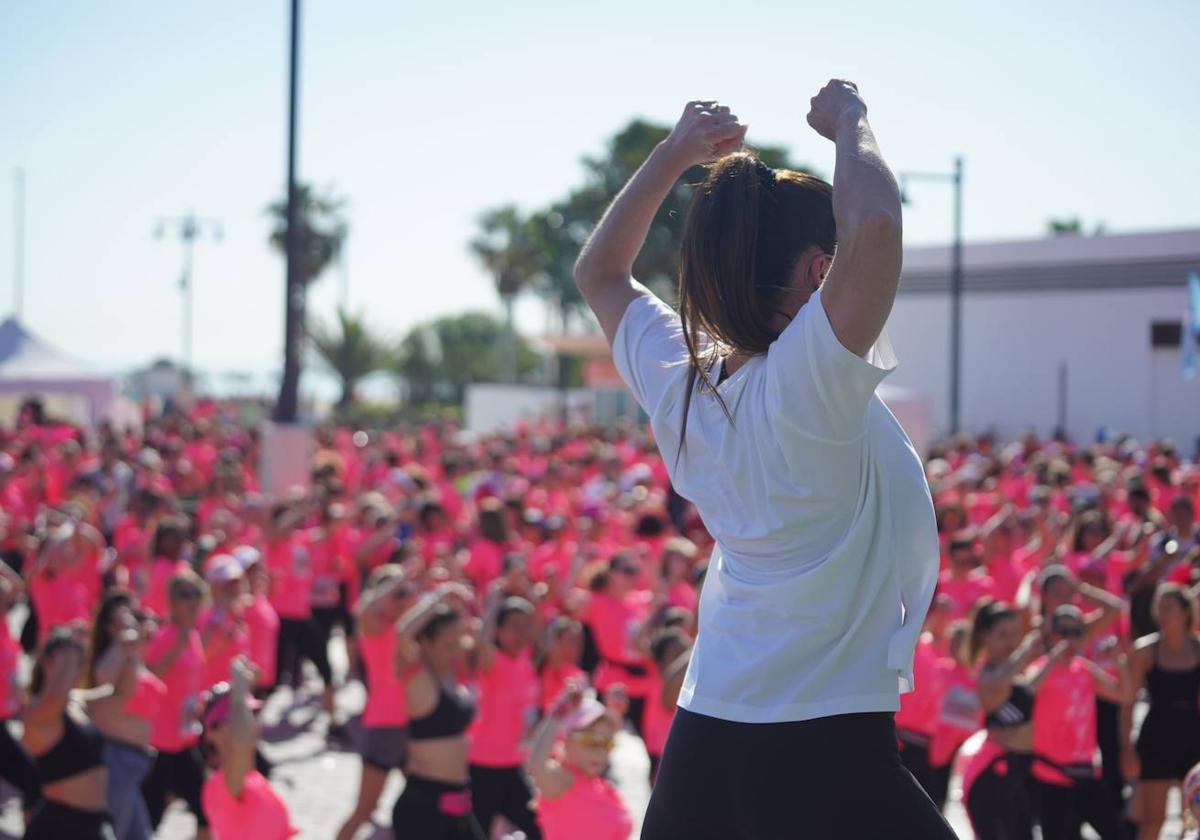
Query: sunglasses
[627, 570]
[1070, 632]
[188, 595]
[593, 740]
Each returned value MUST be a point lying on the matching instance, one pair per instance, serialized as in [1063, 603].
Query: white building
[1081, 331]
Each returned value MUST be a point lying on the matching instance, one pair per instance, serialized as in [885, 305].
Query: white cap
[222, 569]
[246, 556]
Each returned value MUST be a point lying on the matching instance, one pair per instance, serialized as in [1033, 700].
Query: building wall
[1013, 343]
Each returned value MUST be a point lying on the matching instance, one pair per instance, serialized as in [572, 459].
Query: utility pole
[189, 227]
[955, 178]
[287, 406]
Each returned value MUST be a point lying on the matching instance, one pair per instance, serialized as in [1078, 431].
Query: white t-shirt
[826, 550]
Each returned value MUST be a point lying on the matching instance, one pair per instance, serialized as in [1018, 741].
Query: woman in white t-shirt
[761, 395]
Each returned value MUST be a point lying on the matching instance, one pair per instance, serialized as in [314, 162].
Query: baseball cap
[222, 569]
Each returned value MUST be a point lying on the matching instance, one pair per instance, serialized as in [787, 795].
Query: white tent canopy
[31, 367]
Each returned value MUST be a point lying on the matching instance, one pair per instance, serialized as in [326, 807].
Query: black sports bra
[1016, 710]
[452, 715]
[81, 748]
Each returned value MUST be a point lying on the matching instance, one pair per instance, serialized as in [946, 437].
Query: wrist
[668, 155]
[849, 122]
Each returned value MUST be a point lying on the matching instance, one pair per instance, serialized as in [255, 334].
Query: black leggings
[504, 791]
[833, 778]
[417, 815]
[999, 804]
[1063, 810]
[914, 755]
[55, 821]
[16, 767]
[303, 638]
[180, 774]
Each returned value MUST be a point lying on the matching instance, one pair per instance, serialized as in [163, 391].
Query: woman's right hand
[705, 132]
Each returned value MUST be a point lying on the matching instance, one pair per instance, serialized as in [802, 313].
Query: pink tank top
[387, 702]
[508, 705]
[1064, 721]
[591, 809]
[174, 727]
[10, 658]
[147, 697]
[260, 813]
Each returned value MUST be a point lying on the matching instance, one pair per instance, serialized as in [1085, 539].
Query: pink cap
[217, 711]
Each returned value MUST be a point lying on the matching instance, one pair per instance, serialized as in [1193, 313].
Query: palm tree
[507, 250]
[351, 350]
[320, 235]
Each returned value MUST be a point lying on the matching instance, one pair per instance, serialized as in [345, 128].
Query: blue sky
[421, 115]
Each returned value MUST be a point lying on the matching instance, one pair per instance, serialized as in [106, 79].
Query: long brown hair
[746, 227]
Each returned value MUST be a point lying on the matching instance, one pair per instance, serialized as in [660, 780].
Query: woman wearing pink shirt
[678, 559]
[176, 656]
[508, 707]
[1067, 782]
[166, 552]
[576, 800]
[262, 622]
[488, 548]
[238, 799]
[564, 649]
[617, 616]
[117, 639]
[385, 717]
[289, 559]
[222, 626]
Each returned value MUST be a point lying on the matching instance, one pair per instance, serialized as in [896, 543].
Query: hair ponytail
[746, 227]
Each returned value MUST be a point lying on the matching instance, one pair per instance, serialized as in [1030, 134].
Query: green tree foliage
[351, 350]
[322, 229]
[440, 358]
[557, 232]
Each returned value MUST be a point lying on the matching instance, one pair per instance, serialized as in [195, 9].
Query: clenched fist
[835, 102]
[706, 131]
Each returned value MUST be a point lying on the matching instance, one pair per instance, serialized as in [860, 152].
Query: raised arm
[862, 282]
[243, 732]
[604, 271]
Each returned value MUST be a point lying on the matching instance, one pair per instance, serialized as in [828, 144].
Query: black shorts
[430, 810]
[833, 778]
[55, 821]
[1168, 748]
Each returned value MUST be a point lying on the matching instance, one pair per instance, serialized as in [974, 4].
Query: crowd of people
[512, 602]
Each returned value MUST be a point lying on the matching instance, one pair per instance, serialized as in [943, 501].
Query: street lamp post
[956, 280]
[189, 228]
[287, 406]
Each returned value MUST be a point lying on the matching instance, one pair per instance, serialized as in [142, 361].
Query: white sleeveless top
[826, 550]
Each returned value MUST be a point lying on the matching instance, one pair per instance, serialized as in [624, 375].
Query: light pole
[287, 406]
[956, 278]
[189, 228]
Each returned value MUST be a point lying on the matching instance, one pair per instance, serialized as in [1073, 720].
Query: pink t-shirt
[262, 623]
[174, 726]
[326, 553]
[554, 680]
[162, 569]
[387, 702]
[959, 712]
[656, 720]
[964, 592]
[10, 687]
[1064, 720]
[260, 813]
[682, 594]
[591, 809]
[484, 564]
[147, 697]
[613, 624]
[225, 637]
[918, 708]
[290, 564]
[508, 707]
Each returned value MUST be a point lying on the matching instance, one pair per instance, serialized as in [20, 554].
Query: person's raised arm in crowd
[861, 284]
[604, 271]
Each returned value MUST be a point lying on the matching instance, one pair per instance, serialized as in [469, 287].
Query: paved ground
[319, 778]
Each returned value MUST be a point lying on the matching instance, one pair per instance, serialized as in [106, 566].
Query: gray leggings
[127, 766]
